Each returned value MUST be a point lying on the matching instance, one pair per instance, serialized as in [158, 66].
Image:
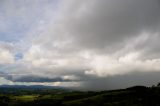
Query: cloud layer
[87, 41]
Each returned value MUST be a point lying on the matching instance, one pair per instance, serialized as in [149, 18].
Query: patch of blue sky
[11, 36]
[18, 56]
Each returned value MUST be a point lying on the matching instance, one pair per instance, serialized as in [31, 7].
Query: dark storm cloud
[106, 25]
[36, 79]
[98, 24]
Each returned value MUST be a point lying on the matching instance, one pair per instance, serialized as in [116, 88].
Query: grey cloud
[32, 78]
[108, 23]
[38, 79]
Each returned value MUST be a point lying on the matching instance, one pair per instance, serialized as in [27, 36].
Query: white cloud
[4, 81]
[6, 54]
[109, 65]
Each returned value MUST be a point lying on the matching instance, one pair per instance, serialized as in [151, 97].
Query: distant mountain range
[31, 87]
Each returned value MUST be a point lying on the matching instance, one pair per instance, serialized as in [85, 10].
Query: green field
[25, 97]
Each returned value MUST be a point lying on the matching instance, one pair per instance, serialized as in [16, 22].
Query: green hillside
[133, 96]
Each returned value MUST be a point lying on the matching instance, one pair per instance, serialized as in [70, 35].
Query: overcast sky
[88, 44]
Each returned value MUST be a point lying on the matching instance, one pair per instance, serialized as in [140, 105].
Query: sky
[83, 44]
